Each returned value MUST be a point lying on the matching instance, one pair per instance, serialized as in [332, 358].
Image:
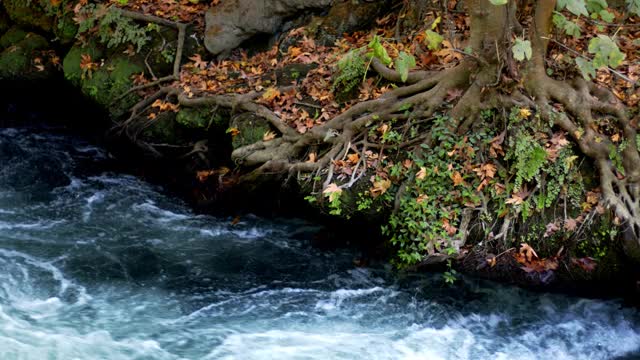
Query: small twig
[504, 252]
[146, 63]
[308, 105]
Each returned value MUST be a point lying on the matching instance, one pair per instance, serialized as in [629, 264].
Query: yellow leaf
[570, 160]
[270, 94]
[524, 113]
[294, 52]
[615, 138]
[268, 136]
[436, 22]
[353, 158]
[380, 187]
[421, 174]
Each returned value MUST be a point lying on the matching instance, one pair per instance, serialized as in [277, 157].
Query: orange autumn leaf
[457, 179]
[268, 136]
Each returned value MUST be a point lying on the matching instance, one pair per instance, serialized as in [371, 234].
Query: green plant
[112, 28]
[440, 185]
[451, 275]
[351, 69]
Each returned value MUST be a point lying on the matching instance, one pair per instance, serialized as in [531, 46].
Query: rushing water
[101, 265]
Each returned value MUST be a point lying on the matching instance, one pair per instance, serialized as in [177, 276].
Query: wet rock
[347, 17]
[106, 84]
[18, 59]
[30, 13]
[251, 128]
[234, 21]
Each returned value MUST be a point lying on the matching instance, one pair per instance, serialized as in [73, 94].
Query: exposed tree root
[476, 79]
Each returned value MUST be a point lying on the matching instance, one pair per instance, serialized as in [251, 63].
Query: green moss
[252, 128]
[29, 13]
[12, 37]
[65, 29]
[71, 62]
[15, 60]
[109, 82]
[198, 118]
[164, 129]
[32, 42]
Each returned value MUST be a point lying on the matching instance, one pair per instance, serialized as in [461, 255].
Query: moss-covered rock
[201, 118]
[347, 17]
[251, 129]
[163, 129]
[108, 82]
[30, 13]
[71, 62]
[17, 60]
[12, 37]
[293, 72]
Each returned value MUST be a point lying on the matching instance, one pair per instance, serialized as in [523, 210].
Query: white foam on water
[277, 298]
[160, 215]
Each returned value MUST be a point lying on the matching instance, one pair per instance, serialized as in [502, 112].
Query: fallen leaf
[457, 178]
[353, 158]
[268, 136]
[332, 191]
[380, 187]
[528, 252]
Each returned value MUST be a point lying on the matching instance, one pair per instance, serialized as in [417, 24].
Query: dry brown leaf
[268, 136]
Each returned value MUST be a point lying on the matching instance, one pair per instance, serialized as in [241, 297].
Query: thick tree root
[584, 104]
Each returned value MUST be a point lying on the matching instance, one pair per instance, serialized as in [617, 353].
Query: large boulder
[108, 80]
[234, 21]
[32, 13]
[21, 57]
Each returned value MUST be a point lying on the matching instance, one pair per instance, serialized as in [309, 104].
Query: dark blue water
[101, 265]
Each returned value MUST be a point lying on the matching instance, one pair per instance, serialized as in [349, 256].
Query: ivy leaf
[595, 6]
[522, 49]
[577, 7]
[569, 27]
[498, 2]
[403, 64]
[586, 68]
[606, 16]
[433, 39]
[379, 51]
[606, 52]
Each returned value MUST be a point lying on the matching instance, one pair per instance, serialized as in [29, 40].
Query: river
[96, 264]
